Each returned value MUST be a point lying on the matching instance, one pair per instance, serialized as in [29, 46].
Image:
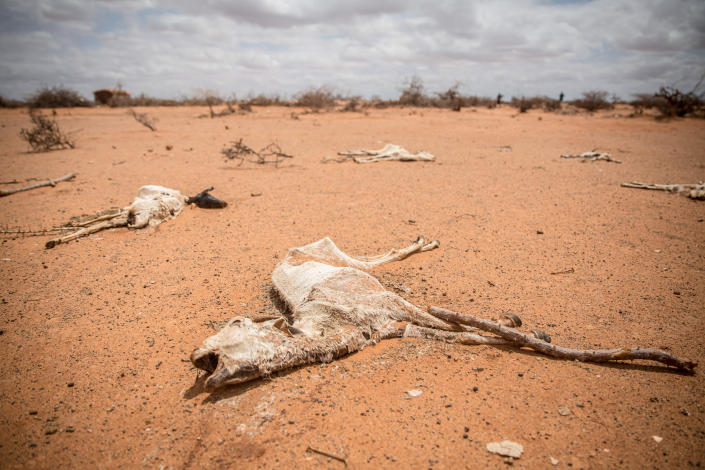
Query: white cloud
[366, 47]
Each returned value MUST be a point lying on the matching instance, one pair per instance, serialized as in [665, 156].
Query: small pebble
[69, 429]
[70, 384]
[33, 412]
[52, 430]
[475, 389]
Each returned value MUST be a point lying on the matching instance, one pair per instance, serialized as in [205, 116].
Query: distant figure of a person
[560, 98]
[499, 98]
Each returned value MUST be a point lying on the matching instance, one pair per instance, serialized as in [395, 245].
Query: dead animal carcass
[334, 309]
[692, 190]
[389, 152]
[152, 206]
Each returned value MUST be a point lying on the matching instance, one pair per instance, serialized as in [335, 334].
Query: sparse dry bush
[145, 119]
[477, 101]
[266, 100]
[10, 103]
[56, 97]
[316, 98]
[413, 94]
[593, 101]
[145, 100]
[45, 135]
[352, 105]
[672, 102]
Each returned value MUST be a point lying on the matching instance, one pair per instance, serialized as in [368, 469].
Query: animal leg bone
[588, 355]
[119, 220]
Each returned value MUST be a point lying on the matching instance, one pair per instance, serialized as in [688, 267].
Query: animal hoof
[510, 320]
[542, 335]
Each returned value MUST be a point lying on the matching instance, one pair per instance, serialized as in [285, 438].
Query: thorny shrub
[45, 135]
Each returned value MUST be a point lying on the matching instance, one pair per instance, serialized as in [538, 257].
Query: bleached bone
[592, 156]
[693, 191]
[152, 206]
[389, 152]
[334, 309]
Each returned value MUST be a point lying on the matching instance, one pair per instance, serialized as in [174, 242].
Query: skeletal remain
[334, 309]
[152, 206]
[693, 191]
[592, 156]
[389, 152]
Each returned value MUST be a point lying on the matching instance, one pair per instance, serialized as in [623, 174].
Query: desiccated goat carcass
[389, 152]
[152, 206]
[593, 156]
[334, 309]
[693, 191]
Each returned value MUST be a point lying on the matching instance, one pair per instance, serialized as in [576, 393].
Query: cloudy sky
[179, 48]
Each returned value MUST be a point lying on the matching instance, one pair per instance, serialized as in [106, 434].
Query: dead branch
[145, 119]
[50, 182]
[327, 454]
[585, 355]
[593, 156]
[240, 151]
[693, 191]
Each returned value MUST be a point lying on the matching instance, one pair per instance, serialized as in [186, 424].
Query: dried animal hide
[334, 308]
[389, 152]
[693, 191]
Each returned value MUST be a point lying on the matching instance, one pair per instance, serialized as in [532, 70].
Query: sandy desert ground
[96, 334]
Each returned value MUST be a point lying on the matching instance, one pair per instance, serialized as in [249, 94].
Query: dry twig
[50, 182]
[585, 355]
[145, 119]
[272, 153]
[327, 454]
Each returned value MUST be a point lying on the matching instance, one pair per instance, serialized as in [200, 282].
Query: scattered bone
[51, 182]
[693, 191]
[657, 439]
[334, 309]
[152, 206]
[593, 156]
[414, 393]
[506, 449]
[389, 152]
